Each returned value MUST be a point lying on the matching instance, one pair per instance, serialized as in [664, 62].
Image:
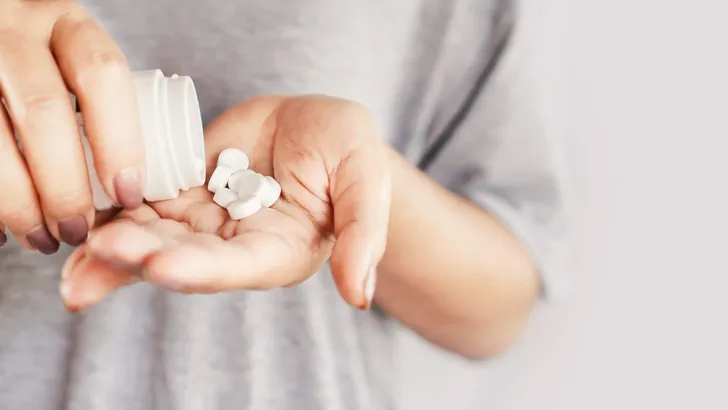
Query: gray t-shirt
[416, 64]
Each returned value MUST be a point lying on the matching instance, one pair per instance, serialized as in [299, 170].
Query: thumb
[360, 193]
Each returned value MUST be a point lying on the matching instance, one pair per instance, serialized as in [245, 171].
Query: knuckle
[12, 45]
[352, 110]
[66, 202]
[42, 102]
[9, 38]
[97, 64]
[22, 216]
[356, 121]
[104, 60]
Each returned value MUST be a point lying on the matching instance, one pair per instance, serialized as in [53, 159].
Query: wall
[643, 87]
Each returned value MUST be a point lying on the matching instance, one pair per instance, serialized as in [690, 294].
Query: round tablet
[219, 178]
[243, 208]
[234, 181]
[271, 193]
[224, 197]
[233, 158]
[251, 186]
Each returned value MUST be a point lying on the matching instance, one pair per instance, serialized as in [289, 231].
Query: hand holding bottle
[48, 49]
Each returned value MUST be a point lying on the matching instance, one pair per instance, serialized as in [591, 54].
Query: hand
[332, 168]
[48, 48]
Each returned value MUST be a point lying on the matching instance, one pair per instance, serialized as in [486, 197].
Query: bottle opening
[173, 137]
[186, 131]
[194, 117]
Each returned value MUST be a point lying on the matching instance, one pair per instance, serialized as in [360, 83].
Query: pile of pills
[240, 190]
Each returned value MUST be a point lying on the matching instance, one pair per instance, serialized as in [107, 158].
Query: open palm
[330, 163]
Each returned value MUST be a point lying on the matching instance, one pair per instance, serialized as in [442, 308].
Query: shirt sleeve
[505, 155]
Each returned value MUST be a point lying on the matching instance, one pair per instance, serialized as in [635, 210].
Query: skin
[326, 211]
[48, 48]
[335, 205]
[460, 280]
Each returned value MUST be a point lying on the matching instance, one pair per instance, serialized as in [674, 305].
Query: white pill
[242, 208]
[219, 178]
[234, 181]
[271, 193]
[251, 185]
[224, 197]
[233, 158]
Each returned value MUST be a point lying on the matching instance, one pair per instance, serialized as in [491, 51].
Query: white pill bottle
[173, 138]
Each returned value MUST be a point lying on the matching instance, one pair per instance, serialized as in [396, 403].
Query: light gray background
[642, 90]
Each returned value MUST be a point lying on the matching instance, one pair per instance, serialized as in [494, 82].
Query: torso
[408, 61]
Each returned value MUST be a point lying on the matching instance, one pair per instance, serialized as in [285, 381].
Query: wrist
[411, 200]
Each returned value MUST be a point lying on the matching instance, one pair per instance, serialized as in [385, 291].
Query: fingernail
[74, 231]
[71, 265]
[368, 286]
[3, 239]
[128, 189]
[41, 238]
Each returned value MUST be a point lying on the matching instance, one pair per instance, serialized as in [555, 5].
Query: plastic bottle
[172, 130]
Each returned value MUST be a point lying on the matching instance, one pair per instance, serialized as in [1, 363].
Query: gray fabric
[412, 63]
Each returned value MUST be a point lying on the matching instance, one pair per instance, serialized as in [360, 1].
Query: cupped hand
[332, 168]
[49, 48]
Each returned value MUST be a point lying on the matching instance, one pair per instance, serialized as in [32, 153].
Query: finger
[205, 263]
[113, 261]
[123, 242]
[106, 263]
[87, 280]
[194, 208]
[19, 206]
[41, 111]
[135, 235]
[360, 196]
[180, 260]
[97, 73]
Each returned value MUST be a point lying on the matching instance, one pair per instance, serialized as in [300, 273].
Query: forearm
[451, 272]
